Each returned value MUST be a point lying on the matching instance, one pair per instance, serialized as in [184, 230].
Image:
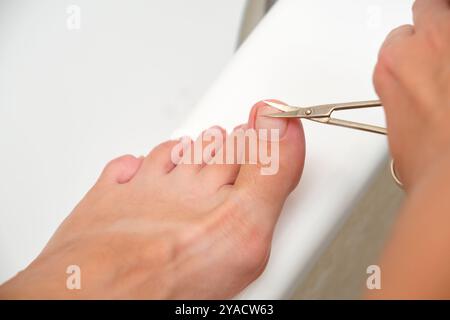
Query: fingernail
[269, 123]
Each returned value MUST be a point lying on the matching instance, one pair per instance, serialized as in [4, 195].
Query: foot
[152, 228]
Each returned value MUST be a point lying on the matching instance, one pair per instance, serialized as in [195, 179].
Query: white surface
[72, 100]
[310, 52]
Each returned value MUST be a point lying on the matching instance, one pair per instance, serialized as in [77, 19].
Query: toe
[160, 160]
[200, 152]
[121, 170]
[266, 182]
[223, 168]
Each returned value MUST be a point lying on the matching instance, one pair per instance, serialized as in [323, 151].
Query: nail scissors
[322, 113]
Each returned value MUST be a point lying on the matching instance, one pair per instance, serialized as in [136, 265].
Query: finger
[384, 75]
[398, 35]
[425, 11]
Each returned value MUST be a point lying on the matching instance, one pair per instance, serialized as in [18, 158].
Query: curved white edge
[309, 52]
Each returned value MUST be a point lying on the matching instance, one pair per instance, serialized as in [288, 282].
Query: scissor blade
[279, 106]
[290, 114]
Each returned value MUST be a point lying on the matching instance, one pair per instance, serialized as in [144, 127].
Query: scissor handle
[357, 104]
[325, 110]
[351, 124]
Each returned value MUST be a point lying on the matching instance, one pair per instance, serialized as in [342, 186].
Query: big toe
[279, 155]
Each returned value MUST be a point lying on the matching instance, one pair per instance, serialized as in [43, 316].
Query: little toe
[120, 170]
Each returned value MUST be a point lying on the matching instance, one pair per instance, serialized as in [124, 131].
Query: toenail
[241, 126]
[270, 123]
[214, 129]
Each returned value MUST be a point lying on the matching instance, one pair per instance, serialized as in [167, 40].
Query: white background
[72, 100]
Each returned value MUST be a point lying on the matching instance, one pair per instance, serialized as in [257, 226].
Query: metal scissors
[322, 113]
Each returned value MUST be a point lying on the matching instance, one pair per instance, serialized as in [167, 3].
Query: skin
[152, 229]
[412, 78]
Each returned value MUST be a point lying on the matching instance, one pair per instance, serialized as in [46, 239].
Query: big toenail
[270, 123]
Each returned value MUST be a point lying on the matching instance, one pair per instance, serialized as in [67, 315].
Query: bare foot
[152, 229]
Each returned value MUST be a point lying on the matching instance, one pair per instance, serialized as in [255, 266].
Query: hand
[412, 79]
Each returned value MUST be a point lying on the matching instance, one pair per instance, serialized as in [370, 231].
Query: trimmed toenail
[268, 123]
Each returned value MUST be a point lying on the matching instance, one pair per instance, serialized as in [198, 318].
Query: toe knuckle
[252, 259]
[250, 256]
[257, 253]
[386, 61]
[437, 35]
[251, 237]
[254, 244]
[392, 59]
[417, 6]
